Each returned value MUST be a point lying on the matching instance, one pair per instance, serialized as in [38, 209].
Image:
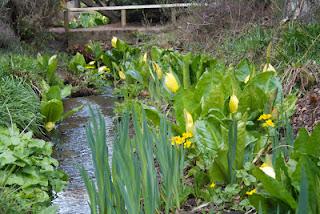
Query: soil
[307, 113]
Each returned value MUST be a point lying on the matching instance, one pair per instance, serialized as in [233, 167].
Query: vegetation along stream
[72, 150]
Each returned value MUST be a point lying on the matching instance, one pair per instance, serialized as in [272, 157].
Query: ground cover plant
[28, 169]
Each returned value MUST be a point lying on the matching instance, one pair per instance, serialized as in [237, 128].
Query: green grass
[298, 43]
[249, 44]
[19, 104]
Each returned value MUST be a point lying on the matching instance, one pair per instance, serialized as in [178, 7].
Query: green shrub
[87, 20]
[18, 104]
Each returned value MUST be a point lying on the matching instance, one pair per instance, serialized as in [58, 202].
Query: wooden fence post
[123, 18]
[66, 24]
[174, 16]
[77, 3]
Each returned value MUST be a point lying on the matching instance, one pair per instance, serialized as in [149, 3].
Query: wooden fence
[124, 9]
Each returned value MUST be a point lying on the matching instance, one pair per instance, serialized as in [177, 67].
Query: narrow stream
[72, 150]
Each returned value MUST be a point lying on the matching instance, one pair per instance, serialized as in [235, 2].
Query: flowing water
[72, 150]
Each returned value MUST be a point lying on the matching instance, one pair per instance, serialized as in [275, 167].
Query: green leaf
[52, 110]
[274, 188]
[307, 144]
[66, 91]
[77, 60]
[54, 92]
[243, 70]
[6, 157]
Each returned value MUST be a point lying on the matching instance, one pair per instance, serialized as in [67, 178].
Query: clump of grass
[10, 204]
[299, 43]
[23, 65]
[249, 44]
[18, 104]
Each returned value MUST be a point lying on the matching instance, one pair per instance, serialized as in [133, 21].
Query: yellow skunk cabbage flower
[158, 70]
[268, 170]
[268, 67]
[122, 75]
[189, 121]
[247, 79]
[233, 104]
[251, 192]
[171, 82]
[49, 126]
[145, 57]
[114, 42]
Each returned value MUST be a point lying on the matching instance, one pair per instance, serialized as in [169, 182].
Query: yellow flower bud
[49, 126]
[158, 70]
[171, 82]
[114, 42]
[233, 104]
[189, 121]
[268, 67]
[145, 57]
[247, 79]
[122, 75]
[254, 191]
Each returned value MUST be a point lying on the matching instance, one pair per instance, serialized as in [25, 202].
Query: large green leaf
[274, 188]
[307, 144]
[76, 62]
[188, 100]
[243, 70]
[52, 110]
[308, 169]
[54, 92]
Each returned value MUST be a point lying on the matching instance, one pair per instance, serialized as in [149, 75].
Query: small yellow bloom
[177, 140]
[145, 57]
[268, 170]
[268, 67]
[247, 79]
[158, 70]
[265, 117]
[187, 135]
[114, 42]
[212, 185]
[189, 121]
[187, 144]
[92, 62]
[122, 75]
[49, 126]
[268, 123]
[254, 191]
[171, 82]
[233, 104]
